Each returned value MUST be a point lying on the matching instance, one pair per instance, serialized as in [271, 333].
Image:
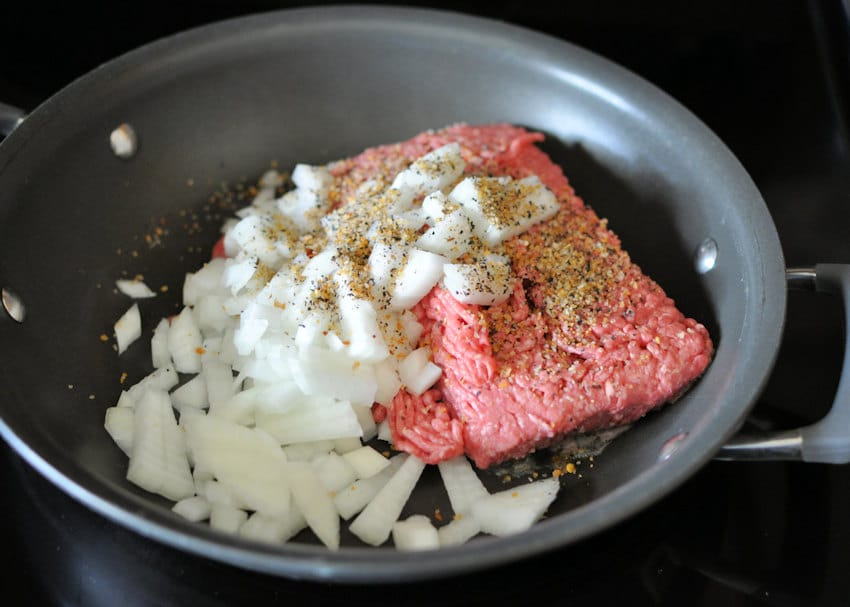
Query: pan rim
[313, 562]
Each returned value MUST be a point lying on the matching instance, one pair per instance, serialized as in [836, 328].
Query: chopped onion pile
[285, 344]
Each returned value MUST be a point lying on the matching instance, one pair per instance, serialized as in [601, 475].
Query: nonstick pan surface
[214, 107]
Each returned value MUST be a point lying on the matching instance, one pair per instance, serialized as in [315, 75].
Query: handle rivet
[13, 305]
[705, 257]
[671, 445]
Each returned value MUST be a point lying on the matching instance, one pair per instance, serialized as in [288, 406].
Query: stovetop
[771, 79]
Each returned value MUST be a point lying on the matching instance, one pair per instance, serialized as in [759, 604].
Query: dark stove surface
[771, 78]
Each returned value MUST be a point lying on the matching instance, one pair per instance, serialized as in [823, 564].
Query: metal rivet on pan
[13, 305]
[671, 445]
[124, 141]
[705, 257]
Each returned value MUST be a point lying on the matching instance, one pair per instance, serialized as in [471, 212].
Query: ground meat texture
[586, 341]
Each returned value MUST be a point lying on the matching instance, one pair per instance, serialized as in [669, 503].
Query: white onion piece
[228, 353]
[324, 373]
[274, 398]
[275, 530]
[412, 219]
[374, 524]
[218, 378]
[128, 328]
[515, 510]
[411, 326]
[247, 461]
[389, 383]
[163, 378]
[358, 318]
[459, 531]
[385, 433]
[212, 317]
[184, 342]
[236, 304]
[212, 345]
[420, 273]
[193, 509]
[435, 206]
[238, 272]
[514, 207]
[239, 409]
[484, 283]
[449, 236]
[226, 518]
[192, 395]
[433, 171]
[158, 462]
[135, 289]
[220, 493]
[314, 502]
[308, 201]
[206, 281]
[334, 471]
[200, 475]
[415, 533]
[385, 260]
[160, 356]
[324, 419]
[119, 425]
[367, 422]
[312, 330]
[365, 461]
[417, 372]
[352, 499]
[256, 236]
[251, 329]
[462, 484]
[304, 452]
[125, 400]
[187, 414]
[320, 266]
[347, 444]
[313, 178]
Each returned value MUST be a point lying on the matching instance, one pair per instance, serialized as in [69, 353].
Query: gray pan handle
[10, 117]
[828, 440]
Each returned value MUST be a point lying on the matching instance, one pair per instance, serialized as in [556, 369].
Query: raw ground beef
[585, 342]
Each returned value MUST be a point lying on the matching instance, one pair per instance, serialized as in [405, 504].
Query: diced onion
[462, 484]
[417, 372]
[459, 531]
[366, 461]
[374, 524]
[158, 462]
[287, 352]
[227, 518]
[415, 533]
[515, 510]
[193, 508]
[128, 328]
[135, 289]
[315, 503]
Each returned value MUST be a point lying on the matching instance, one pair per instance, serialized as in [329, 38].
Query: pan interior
[216, 107]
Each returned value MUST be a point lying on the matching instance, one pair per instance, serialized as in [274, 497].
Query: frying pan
[213, 107]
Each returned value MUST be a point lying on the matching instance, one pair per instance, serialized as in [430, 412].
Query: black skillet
[214, 107]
